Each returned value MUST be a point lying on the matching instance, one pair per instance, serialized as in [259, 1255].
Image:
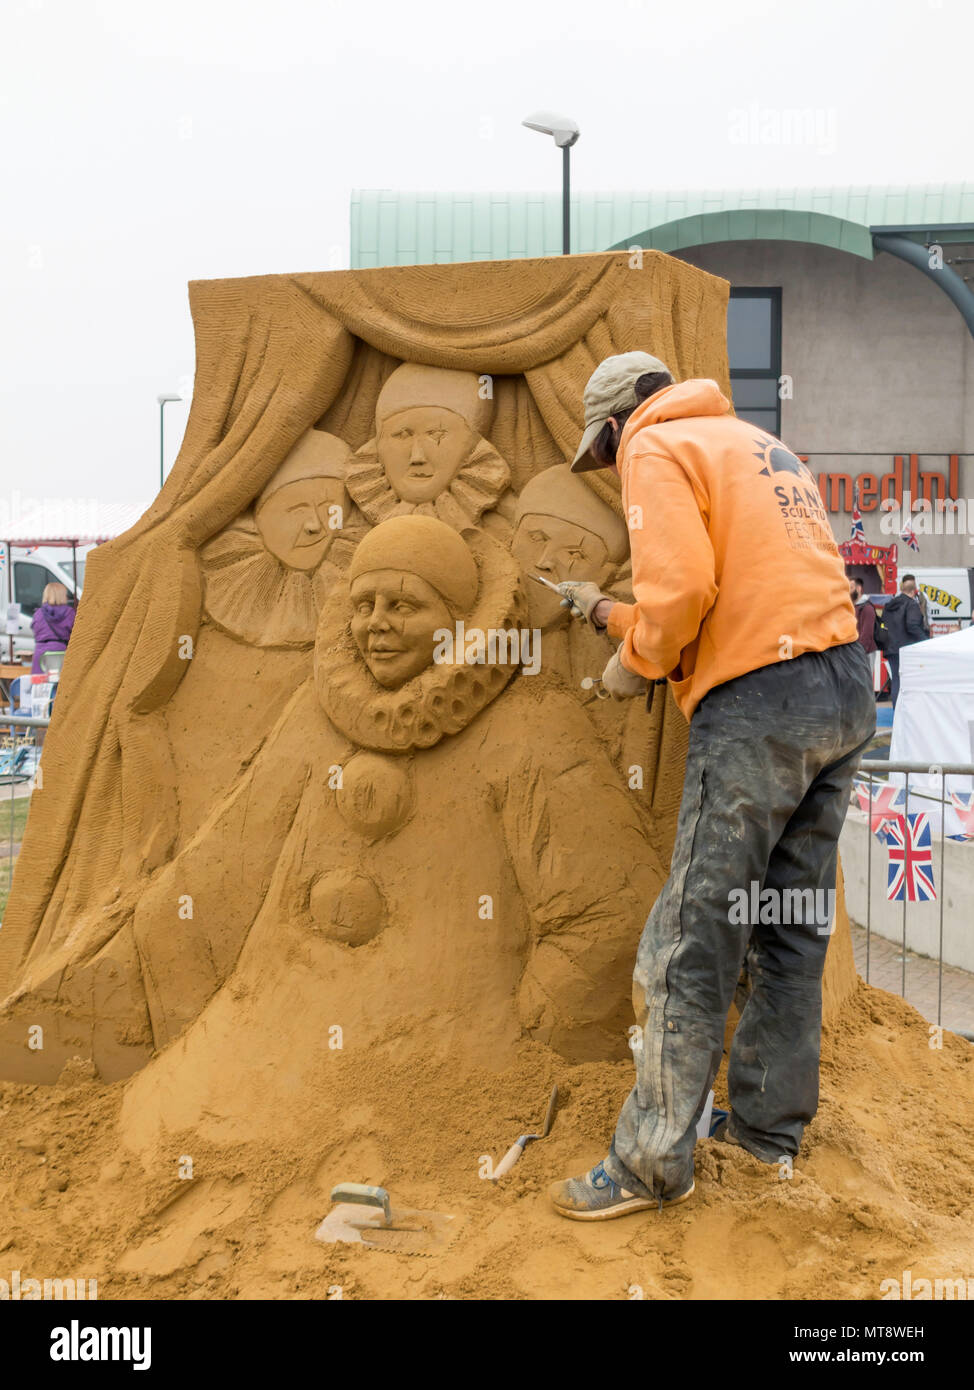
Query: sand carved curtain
[276, 355]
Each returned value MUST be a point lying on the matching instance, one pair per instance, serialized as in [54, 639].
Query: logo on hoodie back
[798, 499]
[778, 459]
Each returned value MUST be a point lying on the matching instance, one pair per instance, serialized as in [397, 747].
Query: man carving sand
[780, 704]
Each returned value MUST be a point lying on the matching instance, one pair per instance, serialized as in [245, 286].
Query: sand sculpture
[211, 767]
[434, 875]
[334, 906]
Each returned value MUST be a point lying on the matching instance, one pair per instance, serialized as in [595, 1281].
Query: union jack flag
[910, 850]
[858, 530]
[909, 535]
[887, 804]
[964, 806]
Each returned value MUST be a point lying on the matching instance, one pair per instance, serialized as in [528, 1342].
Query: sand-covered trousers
[768, 777]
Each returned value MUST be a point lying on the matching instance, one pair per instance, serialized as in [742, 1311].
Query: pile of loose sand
[883, 1184]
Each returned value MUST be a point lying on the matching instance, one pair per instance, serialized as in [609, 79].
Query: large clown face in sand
[409, 579]
[394, 618]
[421, 450]
[299, 521]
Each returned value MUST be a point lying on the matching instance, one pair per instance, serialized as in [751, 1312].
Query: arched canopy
[755, 224]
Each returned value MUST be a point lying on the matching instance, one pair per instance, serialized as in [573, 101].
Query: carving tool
[588, 683]
[540, 579]
[518, 1147]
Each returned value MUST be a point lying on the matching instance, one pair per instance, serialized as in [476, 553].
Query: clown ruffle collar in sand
[477, 487]
[442, 699]
[252, 596]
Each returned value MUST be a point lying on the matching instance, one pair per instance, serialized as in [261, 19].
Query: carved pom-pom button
[376, 796]
[347, 907]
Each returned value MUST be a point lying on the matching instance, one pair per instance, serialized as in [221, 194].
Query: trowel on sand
[364, 1215]
[519, 1145]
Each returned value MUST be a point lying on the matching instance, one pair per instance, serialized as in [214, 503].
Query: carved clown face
[557, 550]
[394, 617]
[421, 449]
[299, 521]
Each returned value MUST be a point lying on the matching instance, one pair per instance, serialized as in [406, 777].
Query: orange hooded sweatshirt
[734, 564]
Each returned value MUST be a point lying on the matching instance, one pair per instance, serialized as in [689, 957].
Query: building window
[754, 354]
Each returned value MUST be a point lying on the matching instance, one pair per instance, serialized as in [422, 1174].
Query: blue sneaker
[595, 1197]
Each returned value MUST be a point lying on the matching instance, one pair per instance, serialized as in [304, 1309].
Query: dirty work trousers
[768, 778]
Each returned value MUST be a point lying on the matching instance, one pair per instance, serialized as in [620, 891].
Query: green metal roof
[396, 228]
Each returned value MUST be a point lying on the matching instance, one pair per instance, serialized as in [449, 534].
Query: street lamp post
[163, 402]
[564, 131]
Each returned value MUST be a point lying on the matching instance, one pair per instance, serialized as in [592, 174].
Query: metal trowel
[364, 1215]
[519, 1145]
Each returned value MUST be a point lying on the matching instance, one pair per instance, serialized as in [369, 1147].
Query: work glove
[581, 598]
[621, 683]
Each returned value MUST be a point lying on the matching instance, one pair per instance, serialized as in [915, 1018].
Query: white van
[25, 572]
[949, 594]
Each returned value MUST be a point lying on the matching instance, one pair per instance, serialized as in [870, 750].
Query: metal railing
[875, 772]
[20, 750]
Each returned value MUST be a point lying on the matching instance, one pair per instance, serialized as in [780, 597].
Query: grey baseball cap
[611, 389]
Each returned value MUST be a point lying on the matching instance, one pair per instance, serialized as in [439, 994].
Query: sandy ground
[884, 1183]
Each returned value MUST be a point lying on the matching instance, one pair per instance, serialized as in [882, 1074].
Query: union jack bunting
[909, 535]
[888, 803]
[910, 849]
[858, 530]
[964, 806]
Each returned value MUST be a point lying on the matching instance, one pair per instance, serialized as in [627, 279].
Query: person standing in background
[921, 599]
[903, 622]
[865, 616]
[53, 623]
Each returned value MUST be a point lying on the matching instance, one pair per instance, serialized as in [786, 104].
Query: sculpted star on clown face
[563, 531]
[557, 550]
[421, 450]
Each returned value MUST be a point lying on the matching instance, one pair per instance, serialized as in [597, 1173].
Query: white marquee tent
[934, 719]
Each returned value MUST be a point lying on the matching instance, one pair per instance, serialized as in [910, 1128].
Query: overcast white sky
[145, 145]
